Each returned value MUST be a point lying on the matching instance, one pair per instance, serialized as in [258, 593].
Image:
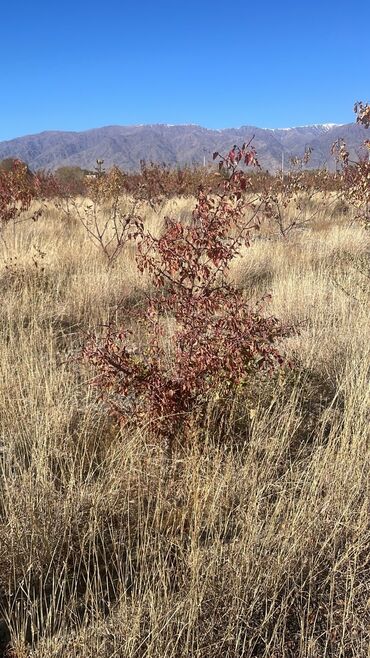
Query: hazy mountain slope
[187, 144]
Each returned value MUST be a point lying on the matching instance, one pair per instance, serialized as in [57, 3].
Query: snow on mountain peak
[319, 126]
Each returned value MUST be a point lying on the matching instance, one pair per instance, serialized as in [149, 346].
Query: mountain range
[176, 145]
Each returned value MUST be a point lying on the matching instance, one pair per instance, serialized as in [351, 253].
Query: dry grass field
[255, 544]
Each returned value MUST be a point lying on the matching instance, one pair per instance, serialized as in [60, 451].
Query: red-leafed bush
[355, 176]
[18, 188]
[363, 113]
[217, 338]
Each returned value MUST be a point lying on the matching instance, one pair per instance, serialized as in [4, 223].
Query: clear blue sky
[78, 65]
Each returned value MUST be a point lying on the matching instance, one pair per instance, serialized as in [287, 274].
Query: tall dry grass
[253, 545]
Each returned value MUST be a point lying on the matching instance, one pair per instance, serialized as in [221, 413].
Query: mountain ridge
[178, 145]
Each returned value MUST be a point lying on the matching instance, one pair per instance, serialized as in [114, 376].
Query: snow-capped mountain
[177, 145]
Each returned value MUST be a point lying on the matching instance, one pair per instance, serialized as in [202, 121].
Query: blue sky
[79, 65]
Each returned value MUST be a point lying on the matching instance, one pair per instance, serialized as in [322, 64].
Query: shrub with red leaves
[17, 189]
[355, 176]
[217, 339]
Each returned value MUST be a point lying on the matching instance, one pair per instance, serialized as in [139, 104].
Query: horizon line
[176, 125]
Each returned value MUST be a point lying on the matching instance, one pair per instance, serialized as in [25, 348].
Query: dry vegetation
[253, 545]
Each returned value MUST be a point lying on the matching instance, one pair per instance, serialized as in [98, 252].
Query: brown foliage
[355, 176]
[17, 189]
[363, 113]
[218, 339]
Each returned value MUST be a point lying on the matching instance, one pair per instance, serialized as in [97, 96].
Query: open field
[255, 545]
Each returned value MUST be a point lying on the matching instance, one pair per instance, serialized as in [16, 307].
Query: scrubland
[253, 539]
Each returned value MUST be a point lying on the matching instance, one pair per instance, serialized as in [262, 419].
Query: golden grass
[254, 546]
